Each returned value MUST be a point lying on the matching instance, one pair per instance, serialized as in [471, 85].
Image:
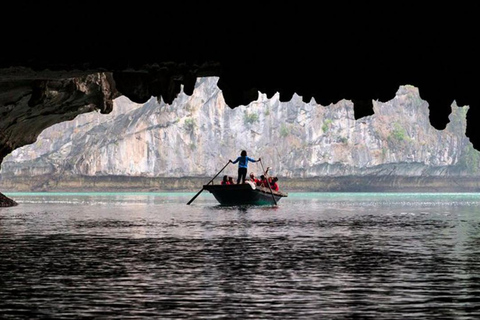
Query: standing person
[243, 165]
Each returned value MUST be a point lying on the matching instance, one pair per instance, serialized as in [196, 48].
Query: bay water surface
[314, 256]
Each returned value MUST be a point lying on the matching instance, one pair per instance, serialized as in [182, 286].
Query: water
[315, 256]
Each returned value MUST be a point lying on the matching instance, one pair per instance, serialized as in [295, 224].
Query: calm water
[315, 256]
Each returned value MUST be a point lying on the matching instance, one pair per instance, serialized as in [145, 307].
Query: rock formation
[197, 134]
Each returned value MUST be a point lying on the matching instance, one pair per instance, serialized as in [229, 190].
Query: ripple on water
[302, 260]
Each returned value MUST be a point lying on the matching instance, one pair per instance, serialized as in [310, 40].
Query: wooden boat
[244, 194]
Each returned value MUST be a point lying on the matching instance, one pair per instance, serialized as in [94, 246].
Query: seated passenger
[259, 181]
[274, 184]
[263, 181]
[225, 180]
[230, 180]
[254, 179]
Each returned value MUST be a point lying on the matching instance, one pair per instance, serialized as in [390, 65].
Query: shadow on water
[245, 208]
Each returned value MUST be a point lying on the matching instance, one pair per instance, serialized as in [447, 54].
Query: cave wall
[359, 52]
[197, 134]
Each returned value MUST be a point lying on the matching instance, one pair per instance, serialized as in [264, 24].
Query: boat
[244, 194]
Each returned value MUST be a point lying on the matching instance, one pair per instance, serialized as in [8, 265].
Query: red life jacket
[274, 186]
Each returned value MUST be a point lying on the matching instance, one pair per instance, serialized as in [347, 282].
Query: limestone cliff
[196, 135]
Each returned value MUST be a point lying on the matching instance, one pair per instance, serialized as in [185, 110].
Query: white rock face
[198, 134]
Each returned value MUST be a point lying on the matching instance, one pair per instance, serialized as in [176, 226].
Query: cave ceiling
[56, 63]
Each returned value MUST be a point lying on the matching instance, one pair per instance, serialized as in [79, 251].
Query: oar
[268, 183]
[207, 183]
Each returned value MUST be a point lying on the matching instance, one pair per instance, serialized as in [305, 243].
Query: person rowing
[243, 160]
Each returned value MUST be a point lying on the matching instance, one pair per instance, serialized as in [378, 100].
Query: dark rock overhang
[65, 61]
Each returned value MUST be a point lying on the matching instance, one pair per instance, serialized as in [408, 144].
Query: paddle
[268, 183]
[207, 183]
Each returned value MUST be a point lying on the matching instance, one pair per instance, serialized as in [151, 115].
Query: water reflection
[123, 258]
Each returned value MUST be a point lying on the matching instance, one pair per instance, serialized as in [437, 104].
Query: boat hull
[244, 194]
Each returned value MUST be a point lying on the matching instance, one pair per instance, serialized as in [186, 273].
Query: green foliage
[189, 124]
[457, 118]
[326, 125]
[398, 133]
[470, 159]
[343, 140]
[384, 153]
[250, 118]
[284, 131]
[398, 136]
